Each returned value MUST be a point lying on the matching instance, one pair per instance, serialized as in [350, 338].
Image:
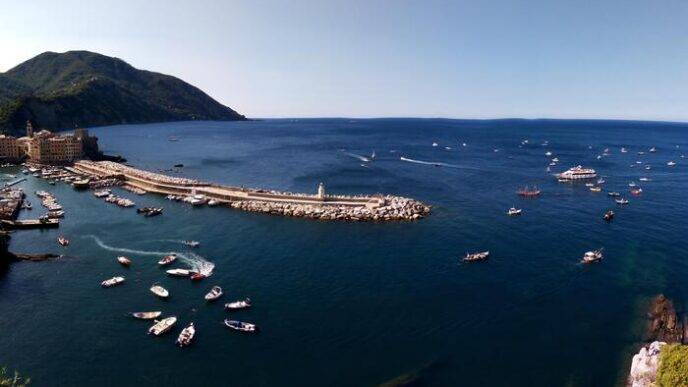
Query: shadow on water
[417, 377]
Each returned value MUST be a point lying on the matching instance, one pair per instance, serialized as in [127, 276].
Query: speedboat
[608, 216]
[191, 243]
[63, 241]
[213, 294]
[241, 326]
[592, 256]
[166, 260]
[241, 304]
[178, 272]
[146, 315]
[621, 201]
[186, 335]
[124, 260]
[112, 282]
[159, 291]
[476, 256]
[671, 163]
[162, 326]
[513, 211]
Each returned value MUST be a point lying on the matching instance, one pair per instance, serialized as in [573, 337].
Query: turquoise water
[345, 304]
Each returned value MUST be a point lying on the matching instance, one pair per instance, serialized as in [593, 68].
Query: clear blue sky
[472, 59]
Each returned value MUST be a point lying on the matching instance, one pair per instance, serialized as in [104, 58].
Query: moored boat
[483, 255]
[213, 294]
[241, 326]
[146, 315]
[178, 272]
[636, 191]
[608, 216]
[513, 211]
[159, 291]
[198, 276]
[613, 194]
[162, 326]
[166, 260]
[671, 163]
[124, 260]
[596, 189]
[62, 240]
[528, 192]
[622, 201]
[241, 304]
[186, 336]
[191, 243]
[112, 282]
[592, 256]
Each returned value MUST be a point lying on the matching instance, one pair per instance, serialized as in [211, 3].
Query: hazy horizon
[461, 60]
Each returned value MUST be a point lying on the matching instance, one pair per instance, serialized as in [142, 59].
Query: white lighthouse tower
[321, 191]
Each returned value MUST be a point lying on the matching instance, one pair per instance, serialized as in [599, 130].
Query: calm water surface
[344, 304]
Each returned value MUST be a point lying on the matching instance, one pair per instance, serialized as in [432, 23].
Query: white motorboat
[166, 260]
[242, 304]
[592, 256]
[146, 315]
[241, 326]
[596, 189]
[213, 294]
[159, 291]
[162, 326]
[191, 243]
[124, 261]
[653, 150]
[623, 150]
[186, 336]
[621, 201]
[578, 173]
[671, 163]
[179, 272]
[513, 211]
[476, 256]
[112, 282]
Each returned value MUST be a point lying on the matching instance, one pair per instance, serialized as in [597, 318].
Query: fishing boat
[621, 201]
[595, 189]
[241, 326]
[178, 272]
[592, 256]
[481, 256]
[124, 260]
[613, 194]
[198, 276]
[528, 192]
[608, 216]
[146, 315]
[241, 304]
[162, 326]
[578, 173]
[166, 260]
[191, 243]
[159, 291]
[671, 163]
[513, 211]
[186, 336]
[213, 294]
[112, 282]
[63, 241]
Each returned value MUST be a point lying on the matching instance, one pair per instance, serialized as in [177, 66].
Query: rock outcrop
[665, 324]
[645, 365]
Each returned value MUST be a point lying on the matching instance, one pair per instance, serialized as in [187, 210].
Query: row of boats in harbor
[194, 200]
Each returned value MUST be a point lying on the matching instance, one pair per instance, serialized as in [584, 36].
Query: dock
[30, 223]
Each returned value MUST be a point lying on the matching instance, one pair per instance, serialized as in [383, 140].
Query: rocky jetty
[645, 365]
[395, 208]
[664, 322]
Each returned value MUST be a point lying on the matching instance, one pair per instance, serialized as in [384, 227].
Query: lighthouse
[321, 191]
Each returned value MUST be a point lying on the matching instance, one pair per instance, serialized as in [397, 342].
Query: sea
[360, 303]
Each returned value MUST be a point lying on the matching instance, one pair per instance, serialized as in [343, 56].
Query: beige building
[9, 148]
[46, 147]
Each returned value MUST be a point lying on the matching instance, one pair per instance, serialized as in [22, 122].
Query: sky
[625, 59]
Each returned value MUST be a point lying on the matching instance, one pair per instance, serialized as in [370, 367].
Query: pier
[315, 206]
[30, 223]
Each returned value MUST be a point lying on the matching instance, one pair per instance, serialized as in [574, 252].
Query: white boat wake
[195, 261]
[434, 163]
[365, 159]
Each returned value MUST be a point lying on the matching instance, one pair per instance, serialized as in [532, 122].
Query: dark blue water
[344, 304]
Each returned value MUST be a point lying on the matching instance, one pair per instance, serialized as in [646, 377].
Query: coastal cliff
[61, 90]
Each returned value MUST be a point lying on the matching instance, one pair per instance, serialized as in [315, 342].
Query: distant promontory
[82, 88]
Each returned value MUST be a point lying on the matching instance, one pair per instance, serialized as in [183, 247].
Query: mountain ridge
[62, 90]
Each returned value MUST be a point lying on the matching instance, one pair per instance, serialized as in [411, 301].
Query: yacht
[578, 173]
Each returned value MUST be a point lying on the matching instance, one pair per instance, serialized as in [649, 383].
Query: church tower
[29, 129]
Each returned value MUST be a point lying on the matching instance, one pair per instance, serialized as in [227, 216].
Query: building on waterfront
[47, 147]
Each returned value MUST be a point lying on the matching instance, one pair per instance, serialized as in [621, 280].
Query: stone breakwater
[312, 206]
[397, 208]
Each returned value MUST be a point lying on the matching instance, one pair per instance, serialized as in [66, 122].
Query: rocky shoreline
[395, 208]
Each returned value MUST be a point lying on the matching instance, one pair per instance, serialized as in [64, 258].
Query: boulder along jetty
[313, 206]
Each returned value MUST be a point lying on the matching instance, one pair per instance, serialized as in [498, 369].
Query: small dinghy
[178, 272]
[112, 282]
[166, 260]
[146, 315]
[477, 256]
[241, 326]
[192, 243]
[62, 240]
[214, 293]
[592, 256]
[124, 261]
[159, 291]
[242, 304]
[162, 326]
[186, 336]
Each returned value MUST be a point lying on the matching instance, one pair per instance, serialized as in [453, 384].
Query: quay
[315, 206]
[30, 223]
